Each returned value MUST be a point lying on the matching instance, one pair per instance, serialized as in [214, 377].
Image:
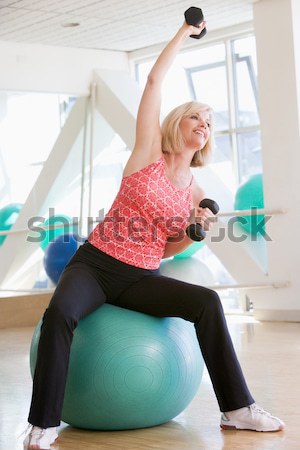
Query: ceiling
[109, 24]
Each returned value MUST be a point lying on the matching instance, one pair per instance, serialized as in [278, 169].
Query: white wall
[41, 68]
[296, 33]
[276, 27]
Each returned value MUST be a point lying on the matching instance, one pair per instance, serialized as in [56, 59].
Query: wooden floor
[270, 357]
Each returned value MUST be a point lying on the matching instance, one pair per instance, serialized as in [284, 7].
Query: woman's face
[195, 129]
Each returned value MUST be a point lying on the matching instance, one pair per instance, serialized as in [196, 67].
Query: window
[224, 76]
[208, 82]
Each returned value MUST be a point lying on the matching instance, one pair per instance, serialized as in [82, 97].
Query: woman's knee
[213, 302]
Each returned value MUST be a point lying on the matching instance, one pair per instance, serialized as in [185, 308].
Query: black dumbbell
[194, 16]
[195, 231]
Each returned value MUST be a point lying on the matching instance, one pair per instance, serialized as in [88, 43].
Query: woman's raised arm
[148, 134]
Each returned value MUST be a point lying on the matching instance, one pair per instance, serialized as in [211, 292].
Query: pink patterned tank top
[147, 210]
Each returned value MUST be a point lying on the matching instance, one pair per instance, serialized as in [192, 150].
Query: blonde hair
[172, 137]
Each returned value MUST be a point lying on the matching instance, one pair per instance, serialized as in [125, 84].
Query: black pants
[92, 278]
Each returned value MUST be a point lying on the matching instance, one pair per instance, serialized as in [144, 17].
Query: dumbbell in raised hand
[195, 231]
[194, 16]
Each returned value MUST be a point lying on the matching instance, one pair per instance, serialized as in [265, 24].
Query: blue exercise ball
[128, 370]
[62, 225]
[8, 216]
[58, 254]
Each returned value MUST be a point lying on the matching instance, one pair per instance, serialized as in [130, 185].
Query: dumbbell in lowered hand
[194, 16]
[195, 231]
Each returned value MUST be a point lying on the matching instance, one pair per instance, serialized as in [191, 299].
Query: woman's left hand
[205, 217]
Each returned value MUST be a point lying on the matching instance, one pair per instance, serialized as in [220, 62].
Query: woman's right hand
[194, 30]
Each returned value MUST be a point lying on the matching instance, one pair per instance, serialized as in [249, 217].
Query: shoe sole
[34, 447]
[241, 427]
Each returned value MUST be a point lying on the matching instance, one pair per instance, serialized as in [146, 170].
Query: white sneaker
[40, 438]
[251, 418]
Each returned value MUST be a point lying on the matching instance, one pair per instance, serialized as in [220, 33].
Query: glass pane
[202, 56]
[245, 70]
[177, 84]
[175, 87]
[223, 148]
[222, 161]
[249, 154]
[29, 127]
[210, 86]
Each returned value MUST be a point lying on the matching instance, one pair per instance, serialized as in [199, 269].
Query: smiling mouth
[199, 132]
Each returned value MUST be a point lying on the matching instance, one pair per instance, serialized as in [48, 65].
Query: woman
[119, 263]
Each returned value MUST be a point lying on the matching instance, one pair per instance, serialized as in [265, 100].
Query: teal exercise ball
[62, 225]
[128, 370]
[191, 270]
[8, 216]
[190, 250]
[250, 195]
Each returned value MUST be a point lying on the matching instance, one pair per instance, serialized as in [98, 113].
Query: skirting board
[23, 310]
[277, 315]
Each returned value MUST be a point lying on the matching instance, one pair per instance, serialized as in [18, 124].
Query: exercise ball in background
[250, 195]
[190, 250]
[51, 234]
[128, 370]
[58, 253]
[8, 216]
[190, 270]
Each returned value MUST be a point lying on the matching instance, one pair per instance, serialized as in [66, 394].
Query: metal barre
[274, 285]
[49, 227]
[246, 212]
[252, 212]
